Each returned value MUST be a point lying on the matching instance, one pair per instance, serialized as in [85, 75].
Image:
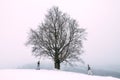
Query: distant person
[89, 70]
[38, 65]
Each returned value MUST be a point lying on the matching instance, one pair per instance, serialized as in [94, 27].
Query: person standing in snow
[38, 65]
[89, 70]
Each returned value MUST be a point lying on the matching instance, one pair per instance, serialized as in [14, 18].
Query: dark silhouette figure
[38, 65]
[89, 70]
[89, 67]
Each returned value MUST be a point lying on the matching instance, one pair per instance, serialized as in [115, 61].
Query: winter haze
[100, 18]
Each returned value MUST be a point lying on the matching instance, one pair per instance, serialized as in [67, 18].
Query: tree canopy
[58, 37]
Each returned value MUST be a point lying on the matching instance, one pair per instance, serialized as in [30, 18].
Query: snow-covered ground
[31, 74]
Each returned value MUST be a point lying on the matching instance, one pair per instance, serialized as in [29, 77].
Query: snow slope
[79, 68]
[30, 74]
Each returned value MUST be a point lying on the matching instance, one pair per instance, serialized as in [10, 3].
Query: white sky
[101, 18]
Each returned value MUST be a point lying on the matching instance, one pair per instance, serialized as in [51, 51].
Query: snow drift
[28, 74]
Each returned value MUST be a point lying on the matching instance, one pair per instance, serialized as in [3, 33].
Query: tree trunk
[57, 64]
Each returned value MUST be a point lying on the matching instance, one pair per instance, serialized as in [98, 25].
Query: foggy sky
[100, 18]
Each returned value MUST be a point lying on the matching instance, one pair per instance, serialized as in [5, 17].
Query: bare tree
[58, 37]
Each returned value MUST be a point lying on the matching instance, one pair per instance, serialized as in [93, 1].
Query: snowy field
[28, 74]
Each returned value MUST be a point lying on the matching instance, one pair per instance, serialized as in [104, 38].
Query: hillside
[32, 74]
[78, 69]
